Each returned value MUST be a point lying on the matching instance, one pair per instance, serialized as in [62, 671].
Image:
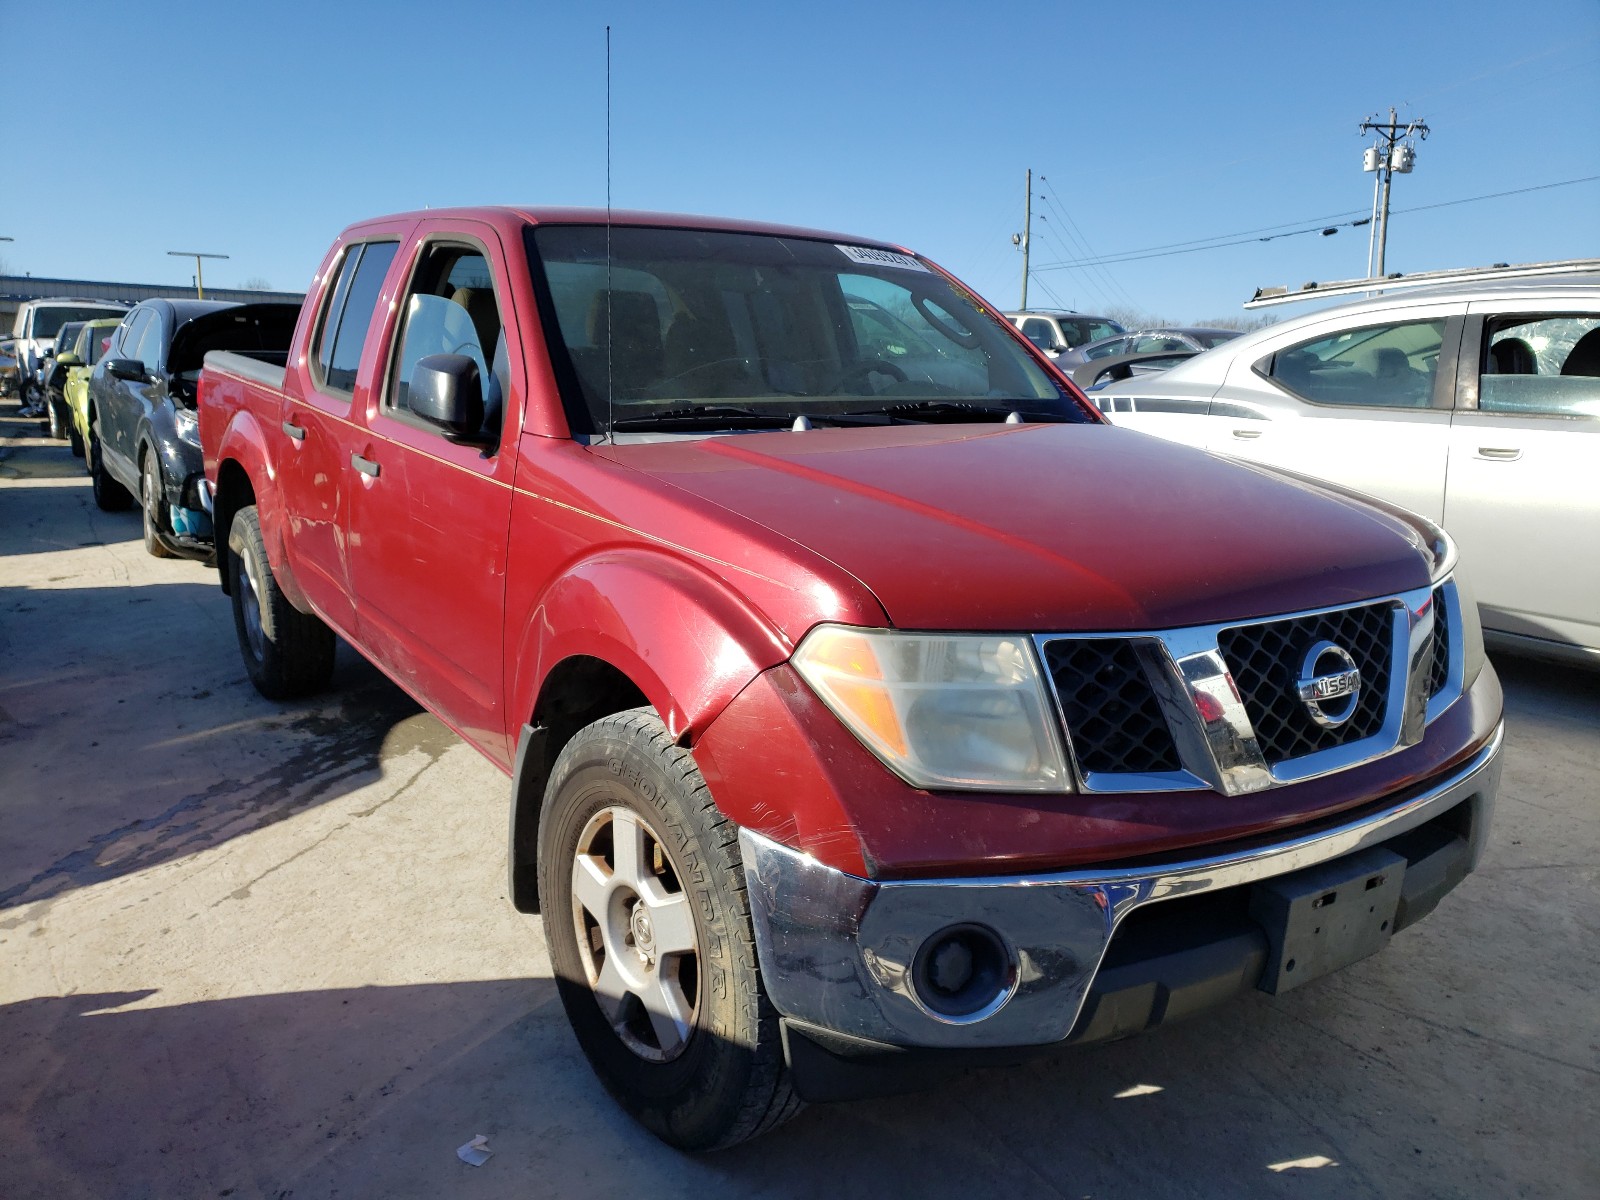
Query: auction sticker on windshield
[881, 258]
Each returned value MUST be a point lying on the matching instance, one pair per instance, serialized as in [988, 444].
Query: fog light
[963, 972]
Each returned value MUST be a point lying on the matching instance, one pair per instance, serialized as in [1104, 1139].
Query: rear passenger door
[317, 431]
[1523, 499]
[430, 517]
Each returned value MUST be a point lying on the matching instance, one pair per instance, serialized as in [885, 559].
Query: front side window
[343, 333]
[151, 349]
[1545, 366]
[1386, 366]
[690, 326]
[1040, 332]
[450, 308]
[129, 331]
[1106, 349]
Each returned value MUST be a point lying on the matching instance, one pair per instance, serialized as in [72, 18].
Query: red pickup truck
[869, 704]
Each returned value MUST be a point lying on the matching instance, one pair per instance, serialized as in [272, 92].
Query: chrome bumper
[836, 950]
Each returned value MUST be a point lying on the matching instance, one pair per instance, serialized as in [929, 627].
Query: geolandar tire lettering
[648, 927]
[287, 653]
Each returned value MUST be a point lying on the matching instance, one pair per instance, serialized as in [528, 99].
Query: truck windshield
[689, 328]
[47, 322]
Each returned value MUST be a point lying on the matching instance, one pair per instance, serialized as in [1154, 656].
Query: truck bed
[265, 367]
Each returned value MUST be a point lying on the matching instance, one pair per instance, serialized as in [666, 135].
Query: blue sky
[261, 130]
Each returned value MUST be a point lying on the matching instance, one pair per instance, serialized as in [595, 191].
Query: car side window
[129, 332]
[451, 308]
[1039, 332]
[1113, 347]
[1541, 365]
[151, 349]
[349, 313]
[1382, 366]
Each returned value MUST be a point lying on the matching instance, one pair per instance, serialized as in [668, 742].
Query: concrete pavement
[250, 949]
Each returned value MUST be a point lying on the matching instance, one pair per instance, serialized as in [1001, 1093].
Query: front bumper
[836, 950]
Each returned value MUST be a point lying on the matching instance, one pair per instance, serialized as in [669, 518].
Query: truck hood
[1046, 527]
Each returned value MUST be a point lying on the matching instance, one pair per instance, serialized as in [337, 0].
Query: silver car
[1476, 405]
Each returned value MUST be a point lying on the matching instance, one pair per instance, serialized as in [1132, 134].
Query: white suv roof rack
[1267, 296]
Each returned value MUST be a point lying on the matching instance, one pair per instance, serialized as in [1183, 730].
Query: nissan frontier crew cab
[869, 704]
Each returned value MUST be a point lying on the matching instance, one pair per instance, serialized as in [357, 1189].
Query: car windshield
[689, 328]
[47, 322]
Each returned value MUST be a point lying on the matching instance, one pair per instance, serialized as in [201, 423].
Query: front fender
[684, 638]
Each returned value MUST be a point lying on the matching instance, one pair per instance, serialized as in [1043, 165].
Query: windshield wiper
[963, 410]
[707, 416]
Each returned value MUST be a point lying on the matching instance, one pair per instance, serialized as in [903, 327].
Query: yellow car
[79, 360]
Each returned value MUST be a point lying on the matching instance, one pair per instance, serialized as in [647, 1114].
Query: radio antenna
[610, 381]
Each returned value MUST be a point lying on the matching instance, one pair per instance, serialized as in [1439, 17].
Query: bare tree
[256, 284]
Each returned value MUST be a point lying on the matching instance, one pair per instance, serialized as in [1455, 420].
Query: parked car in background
[54, 372]
[1057, 331]
[91, 344]
[34, 331]
[856, 722]
[142, 439]
[1146, 341]
[8, 367]
[1476, 405]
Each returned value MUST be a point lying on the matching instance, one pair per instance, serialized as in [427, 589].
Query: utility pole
[199, 275]
[1021, 240]
[1392, 151]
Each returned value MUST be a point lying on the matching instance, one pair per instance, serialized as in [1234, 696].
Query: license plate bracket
[1327, 916]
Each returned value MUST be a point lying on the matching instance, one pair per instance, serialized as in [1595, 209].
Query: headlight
[187, 425]
[967, 711]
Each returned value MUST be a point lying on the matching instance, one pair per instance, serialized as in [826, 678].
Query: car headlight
[942, 711]
[186, 425]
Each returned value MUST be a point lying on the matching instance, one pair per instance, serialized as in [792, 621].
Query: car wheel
[59, 422]
[109, 495]
[151, 504]
[648, 927]
[75, 440]
[287, 653]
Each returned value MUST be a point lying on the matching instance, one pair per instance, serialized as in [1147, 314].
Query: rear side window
[1382, 366]
[348, 316]
[1544, 366]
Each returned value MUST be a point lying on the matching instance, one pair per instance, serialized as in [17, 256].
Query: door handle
[294, 431]
[365, 465]
[1500, 453]
[1247, 433]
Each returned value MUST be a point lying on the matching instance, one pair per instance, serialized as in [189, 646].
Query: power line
[1083, 241]
[1215, 244]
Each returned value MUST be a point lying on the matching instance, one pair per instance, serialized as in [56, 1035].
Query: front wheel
[60, 422]
[75, 439]
[648, 926]
[287, 653]
[150, 504]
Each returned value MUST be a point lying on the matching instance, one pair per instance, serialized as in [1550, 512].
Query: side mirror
[69, 359]
[130, 369]
[446, 391]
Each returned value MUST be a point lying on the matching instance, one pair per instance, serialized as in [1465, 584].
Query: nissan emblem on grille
[1328, 673]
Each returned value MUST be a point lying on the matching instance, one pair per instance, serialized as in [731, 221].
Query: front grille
[1112, 715]
[1265, 661]
[1441, 645]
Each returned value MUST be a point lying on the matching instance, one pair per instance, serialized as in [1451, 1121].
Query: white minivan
[1477, 405]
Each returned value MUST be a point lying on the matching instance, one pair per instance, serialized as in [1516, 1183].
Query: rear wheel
[648, 926]
[152, 505]
[109, 495]
[60, 421]
[287, 653]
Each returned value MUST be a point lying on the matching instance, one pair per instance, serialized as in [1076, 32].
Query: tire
[151, 504]
[287, 653]
[715, 1075]
[109, 495]
[75, 440]
[60, 421]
